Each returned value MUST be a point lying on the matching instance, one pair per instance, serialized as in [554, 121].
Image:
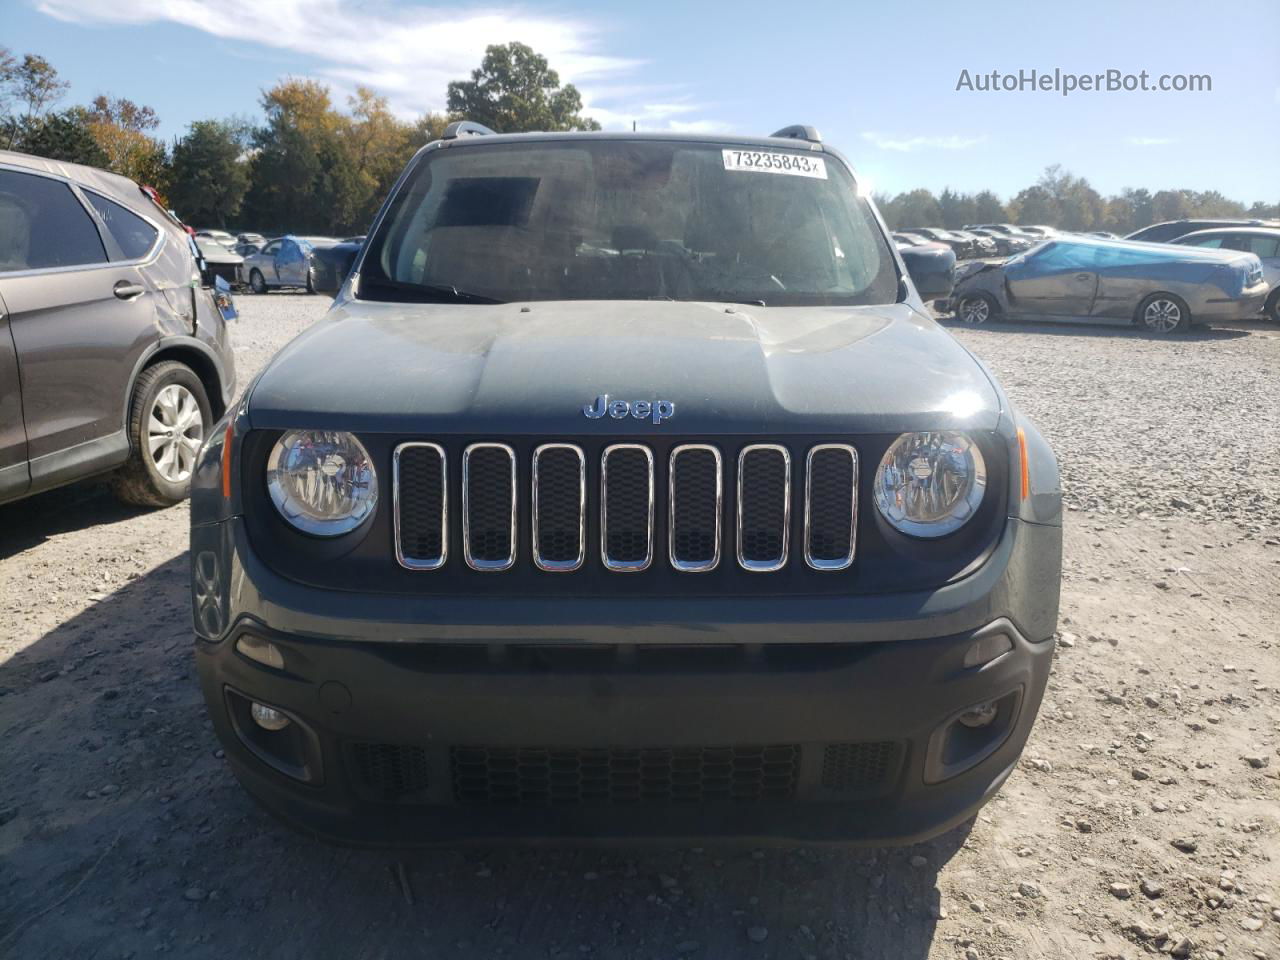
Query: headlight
[930, 484]
[322, 481]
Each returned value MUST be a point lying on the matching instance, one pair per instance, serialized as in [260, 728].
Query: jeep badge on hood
[657, 410]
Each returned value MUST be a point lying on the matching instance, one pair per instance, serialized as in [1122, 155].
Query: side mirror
[333, 265]
[932, 268]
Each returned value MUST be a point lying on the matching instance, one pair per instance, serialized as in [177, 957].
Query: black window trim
[114, 255]
[152, 252]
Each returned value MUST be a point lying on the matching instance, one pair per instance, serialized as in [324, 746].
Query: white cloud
[407, 53]
[1151, 141]
[907, 145]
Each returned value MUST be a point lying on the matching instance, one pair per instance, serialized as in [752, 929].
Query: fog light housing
[980, 716]
[260, 650]
[985, 649]
[268, 718]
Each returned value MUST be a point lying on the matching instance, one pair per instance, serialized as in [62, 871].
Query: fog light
[263, 651]
[980, 716]
[268, 718]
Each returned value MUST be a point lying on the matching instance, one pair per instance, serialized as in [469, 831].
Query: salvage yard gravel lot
[1144, 818]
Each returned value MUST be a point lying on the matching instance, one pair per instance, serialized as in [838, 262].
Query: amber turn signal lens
[1026, 471]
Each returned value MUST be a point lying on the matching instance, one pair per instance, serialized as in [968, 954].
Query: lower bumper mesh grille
[858, 766]
[617, 775]
[388, 771]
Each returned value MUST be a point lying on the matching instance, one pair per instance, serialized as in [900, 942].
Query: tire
[169, 417]
[311, 279]
[976, 308]
[1163, 314]
[1272, 309]
[256, 281]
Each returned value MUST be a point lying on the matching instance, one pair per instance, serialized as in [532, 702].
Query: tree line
[310, 166]
[1061, 199]
[307, 167]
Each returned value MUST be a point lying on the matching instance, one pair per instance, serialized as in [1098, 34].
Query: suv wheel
[1272, 309]
[1164, 313]
[975, 308]
[168, 420]
[256, 282]
[311, 279]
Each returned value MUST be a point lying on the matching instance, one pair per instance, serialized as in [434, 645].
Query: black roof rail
[465, 128]
[799, 131]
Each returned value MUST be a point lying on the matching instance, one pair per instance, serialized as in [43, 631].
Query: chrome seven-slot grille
[627, 500]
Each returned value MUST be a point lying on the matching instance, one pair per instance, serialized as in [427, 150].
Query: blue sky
[878, 79]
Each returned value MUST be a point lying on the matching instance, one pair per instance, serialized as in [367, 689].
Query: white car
[1264, 241]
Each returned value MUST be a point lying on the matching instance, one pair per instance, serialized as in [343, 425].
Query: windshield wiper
[430, 292]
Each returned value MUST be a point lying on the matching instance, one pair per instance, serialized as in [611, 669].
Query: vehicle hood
[532, 368]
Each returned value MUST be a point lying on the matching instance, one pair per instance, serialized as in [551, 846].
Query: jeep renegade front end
[626, 489]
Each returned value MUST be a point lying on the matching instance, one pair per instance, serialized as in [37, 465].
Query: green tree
[515, 91]
[301, 175]
[917, 208]
[1170, 205]
[62, 136]
[209, 175]
[957, 209]
[987, 208]
[1035, 205]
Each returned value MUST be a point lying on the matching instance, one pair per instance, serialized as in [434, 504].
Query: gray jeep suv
[113, 358]
[627, 488]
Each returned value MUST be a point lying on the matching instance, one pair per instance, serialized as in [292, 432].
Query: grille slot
[764, 507]
[696, 490]
[831, 506]
[551, 776]
[626, 507]
[388, 771]
[421, 505]
[489, 506]
[559, 507]
[847, 767]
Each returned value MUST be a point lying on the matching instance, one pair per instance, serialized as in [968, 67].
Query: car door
[80, 316]
[291, 263]
[265, 261]
[1057, 280]
[15, 476]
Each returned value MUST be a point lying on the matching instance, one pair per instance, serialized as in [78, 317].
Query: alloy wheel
[1162, 316]
[975, 310]
[175, 430]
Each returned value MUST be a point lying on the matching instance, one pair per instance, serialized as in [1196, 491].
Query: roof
[1233, 231]
[118, 188]
[489, 139]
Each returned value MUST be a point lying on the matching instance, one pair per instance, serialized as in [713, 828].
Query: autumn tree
[121, 128]
[514, 90]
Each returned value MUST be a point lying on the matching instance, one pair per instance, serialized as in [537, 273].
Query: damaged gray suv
[113, 358]
[627, 489]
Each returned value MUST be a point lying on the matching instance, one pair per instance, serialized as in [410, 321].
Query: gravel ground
[1144, 818]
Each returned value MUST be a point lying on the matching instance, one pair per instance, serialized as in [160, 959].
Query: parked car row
[250, 260]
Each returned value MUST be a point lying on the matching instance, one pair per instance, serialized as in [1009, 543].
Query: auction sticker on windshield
[764, 161]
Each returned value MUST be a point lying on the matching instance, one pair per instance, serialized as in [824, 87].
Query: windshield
[626, 220]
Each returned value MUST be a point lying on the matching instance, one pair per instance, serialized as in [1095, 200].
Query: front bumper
[799, 718]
